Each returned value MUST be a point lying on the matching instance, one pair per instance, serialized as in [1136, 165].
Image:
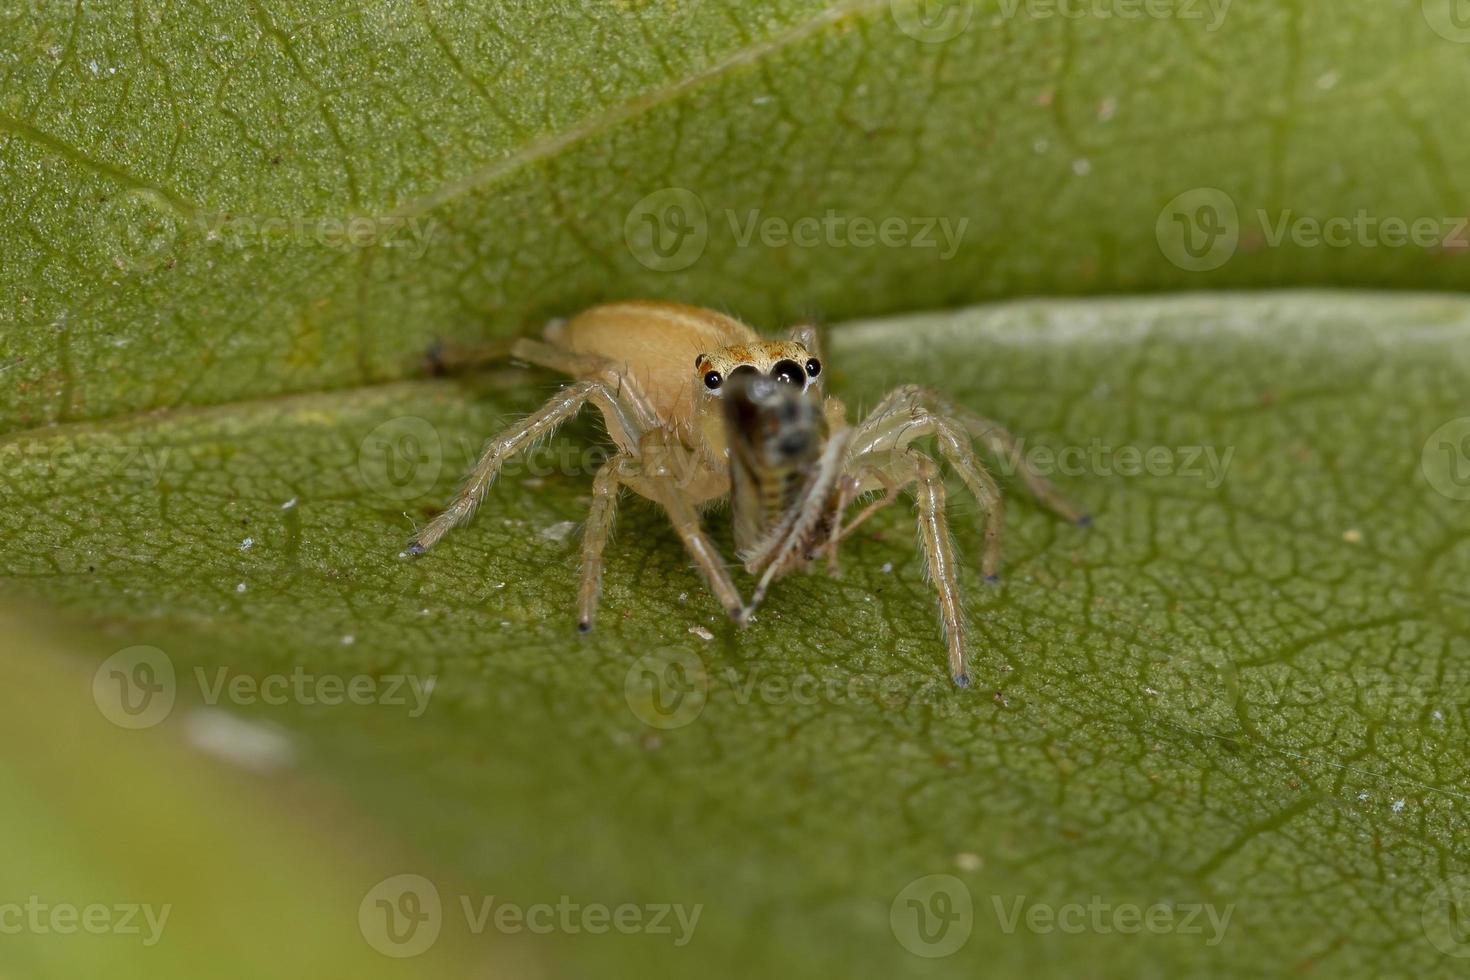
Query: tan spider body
[701, 409]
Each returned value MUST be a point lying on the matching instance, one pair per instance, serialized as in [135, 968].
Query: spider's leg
[840, 531]
[904, 416]
[939, 560]
[660, 477]
[960, 454]
[1000, 441]
[611, 373]
[562, 406]
[600, 519]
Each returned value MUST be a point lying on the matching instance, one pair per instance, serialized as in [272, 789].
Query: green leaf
[234, 199]
[1242, 691]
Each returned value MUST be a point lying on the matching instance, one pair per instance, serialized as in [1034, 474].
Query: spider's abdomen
[656, 343]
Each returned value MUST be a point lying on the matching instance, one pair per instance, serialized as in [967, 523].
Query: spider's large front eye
[713, 380]
[789, 371]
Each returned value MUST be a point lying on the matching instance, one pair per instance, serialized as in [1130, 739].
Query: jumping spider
[702, 409]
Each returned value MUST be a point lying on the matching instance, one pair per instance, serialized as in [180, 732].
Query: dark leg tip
[434, 364]
[961, 680]
[414, 548]
[1085, 520]
[584, 626]
[992, 579]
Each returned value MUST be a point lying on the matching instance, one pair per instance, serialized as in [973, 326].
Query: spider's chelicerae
[701, 409]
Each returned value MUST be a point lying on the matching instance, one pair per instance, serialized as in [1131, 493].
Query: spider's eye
[814, 367]
[712, 381]
[788, 371]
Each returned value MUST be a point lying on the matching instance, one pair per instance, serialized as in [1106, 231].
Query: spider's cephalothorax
[702, 409]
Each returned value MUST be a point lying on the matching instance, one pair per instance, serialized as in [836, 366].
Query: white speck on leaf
[247, 544]
[701, 632]
[240, 587]
[348, 640]
[559, 531]
[1398, 806]
[289, 504]
[1081, 166]
[248, 744]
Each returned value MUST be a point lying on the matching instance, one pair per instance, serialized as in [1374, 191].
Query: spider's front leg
[673, 478]
[562, 407]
